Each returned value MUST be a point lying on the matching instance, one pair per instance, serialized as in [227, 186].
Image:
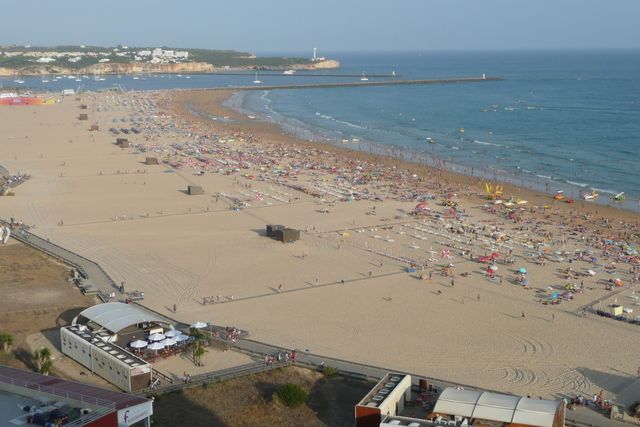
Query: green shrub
[329, 371]
[292, 395]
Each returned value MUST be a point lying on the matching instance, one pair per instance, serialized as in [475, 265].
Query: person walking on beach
[452, 282]
[280, 287]
[174, 308]
[523, 314]
[478, 297]
[553, 317]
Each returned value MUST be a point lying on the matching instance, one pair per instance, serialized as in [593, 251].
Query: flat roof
[382, 390]
[66, 389]
[99, 340]
[115, 316]
[9, 409]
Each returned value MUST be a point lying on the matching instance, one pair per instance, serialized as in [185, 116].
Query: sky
[329, 25]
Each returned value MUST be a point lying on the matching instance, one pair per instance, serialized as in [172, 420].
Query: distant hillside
[37, 60]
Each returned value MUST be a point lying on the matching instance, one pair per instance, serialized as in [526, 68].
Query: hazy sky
[330, 25]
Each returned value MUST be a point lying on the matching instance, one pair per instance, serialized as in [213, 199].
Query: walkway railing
[78, 397]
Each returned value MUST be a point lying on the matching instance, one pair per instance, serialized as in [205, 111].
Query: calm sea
[559, 120]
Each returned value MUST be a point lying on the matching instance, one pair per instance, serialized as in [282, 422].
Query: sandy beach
[343, 290]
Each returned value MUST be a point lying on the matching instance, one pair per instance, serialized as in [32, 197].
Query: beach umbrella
[138, 344]
[172, 333]
[493, 268]
[169, 341]
[522, 270]
[181, 338]
[156, 337]
[199, 325]
[156, 346]
[591, 272]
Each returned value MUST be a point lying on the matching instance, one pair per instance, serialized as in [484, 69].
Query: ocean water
[557, 121]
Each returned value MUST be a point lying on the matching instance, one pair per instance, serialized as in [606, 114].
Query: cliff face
[144, 67]
[111, 68]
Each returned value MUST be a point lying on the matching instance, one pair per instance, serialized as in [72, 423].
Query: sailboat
[256, 81]
[364, 78]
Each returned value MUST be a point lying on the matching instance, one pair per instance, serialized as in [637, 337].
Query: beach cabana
[272, 228]
[286, 235]
[195, 190]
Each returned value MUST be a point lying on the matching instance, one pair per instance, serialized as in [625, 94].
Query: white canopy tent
[500, 407]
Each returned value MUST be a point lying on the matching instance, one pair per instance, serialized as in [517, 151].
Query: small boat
[430, 140]
[364, 78]
[590, 196]
[289, 72]
[256, 81]
[136, 78]
[19, 81]
[45, 81]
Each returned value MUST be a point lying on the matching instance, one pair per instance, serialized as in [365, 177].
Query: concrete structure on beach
[99, 335]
